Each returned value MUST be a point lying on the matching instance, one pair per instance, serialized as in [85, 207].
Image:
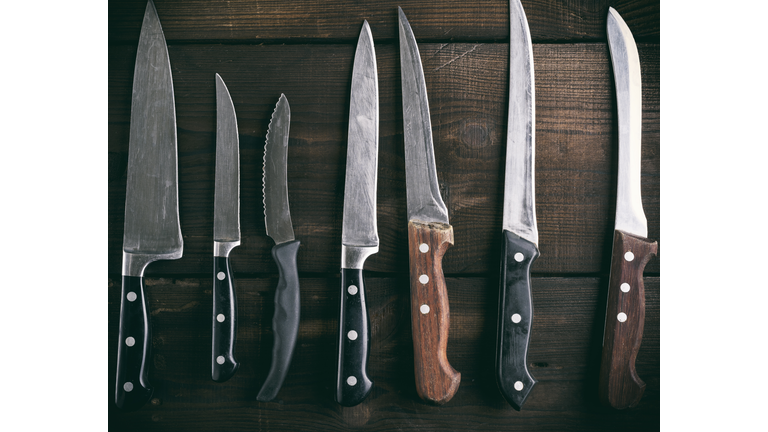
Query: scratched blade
[277, 212]
[519, 216]
[226, 213]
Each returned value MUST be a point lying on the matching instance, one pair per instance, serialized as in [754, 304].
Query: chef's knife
[620, 387]
[152, 231]
[359, 235]
[520, 236]
[226, 236]
[277, 218]
[429, 233]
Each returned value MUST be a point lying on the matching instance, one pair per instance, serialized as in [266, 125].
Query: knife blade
[520, 236]
[152, 230]
[429, 232]
[277, 219]
[359, 234]
[226, 236]
[619, 386]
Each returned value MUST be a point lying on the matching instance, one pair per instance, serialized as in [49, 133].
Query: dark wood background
[305, 49]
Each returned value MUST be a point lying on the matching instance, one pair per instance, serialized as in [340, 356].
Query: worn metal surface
[226, 202]
[277, 212]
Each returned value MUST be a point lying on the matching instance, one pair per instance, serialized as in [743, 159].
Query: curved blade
[519, 175]
[359, 223]
[226, 202]
[626, 71]
[151, 201]
[277, 212]
[422, 190]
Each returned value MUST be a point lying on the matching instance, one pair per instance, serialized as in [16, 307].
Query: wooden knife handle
[285, 321]
[352, 381]
[133, 389]
[620, 387]
[436, 380]
[515, 319]
[223, 362]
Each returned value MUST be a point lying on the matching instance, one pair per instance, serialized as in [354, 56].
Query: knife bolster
[223, 248]
[353, 257]
[135, 263]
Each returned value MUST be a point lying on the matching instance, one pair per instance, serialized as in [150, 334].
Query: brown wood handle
[436, 380]
[620, 387]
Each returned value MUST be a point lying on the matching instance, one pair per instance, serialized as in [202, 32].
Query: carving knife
[359, 235]
[429, 233]
[152, 231]
[226, 236]
[520, 236]
[620, 387]
[277, 219]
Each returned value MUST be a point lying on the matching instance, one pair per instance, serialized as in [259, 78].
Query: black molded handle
[352, 382]
[285, 321]
[515, 319]
[133, 389]
[223, 362]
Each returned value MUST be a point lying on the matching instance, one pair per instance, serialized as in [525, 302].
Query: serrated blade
[630, 217]
[226, 203]
[423, 198]
[152, 225]
[359, 220]
[277, 212]
[519, 216]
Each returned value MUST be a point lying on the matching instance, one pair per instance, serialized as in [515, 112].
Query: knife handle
[223, 362]
[436, 380]
[515, 319]
[620, 387]
[352, 381]
[133, 389]
[285, 321]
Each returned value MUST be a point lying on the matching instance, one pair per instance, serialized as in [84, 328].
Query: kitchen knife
[359, 235]
[620, 387]
[520, 236]
[152, 231]
[429, 233]
[226, 236]
[277, 218]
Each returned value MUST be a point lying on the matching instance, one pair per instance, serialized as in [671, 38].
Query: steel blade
[359, 220]
[277, 212]
[226, 202]
[630, 217]
[423, 198]
[152, 227]
[519, 216]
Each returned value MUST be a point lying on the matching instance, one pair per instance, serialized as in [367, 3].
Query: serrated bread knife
[619, 385]
[152, 231]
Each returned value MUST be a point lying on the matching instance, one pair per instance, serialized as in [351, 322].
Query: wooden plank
[432, 20]
[564, 357]
[467, 86]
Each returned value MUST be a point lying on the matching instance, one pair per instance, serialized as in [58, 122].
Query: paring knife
[152, 231]
[520, 236]
[359, 235]
[277, 218]
[226, 236]
[429, 233]
[620, 387]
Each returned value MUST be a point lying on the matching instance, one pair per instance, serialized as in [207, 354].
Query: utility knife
[277, 219]
[152, 231]
[359, 235]
[619, 386]
[429, 233]
[226, 236]
[520, 236]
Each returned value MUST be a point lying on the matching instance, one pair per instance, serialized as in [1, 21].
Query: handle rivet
[629, 256]
[130, 341]
[131, 296]
[621, 317]
[519, 258]
[220, 317]
[221, 276]
[352, 290]
[352, 335]
[424, 248]
[625, 287]
[424, 309]
[220, 359]
[518, 385]
[516, 318]
[424, 279]
[351, 381]
[128, 386]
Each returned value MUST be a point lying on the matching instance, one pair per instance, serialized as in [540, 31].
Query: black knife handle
[223, 362]
[352, 382]
[515, 319]
[133, 389]
[285, 321]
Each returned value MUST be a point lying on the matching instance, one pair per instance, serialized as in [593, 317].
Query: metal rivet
[352, 335]
[424, 309]
[519, 258]
[351, 381]
[220, 359]
[220, 317]
[424, 248]
[221, 276]
[518, 385]
[516, 318]
[424, 279]
[629, 256]
[352, 290]
[128, 386]
[131, 296]
[621, 317]
[625, 287]
[130, 341]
